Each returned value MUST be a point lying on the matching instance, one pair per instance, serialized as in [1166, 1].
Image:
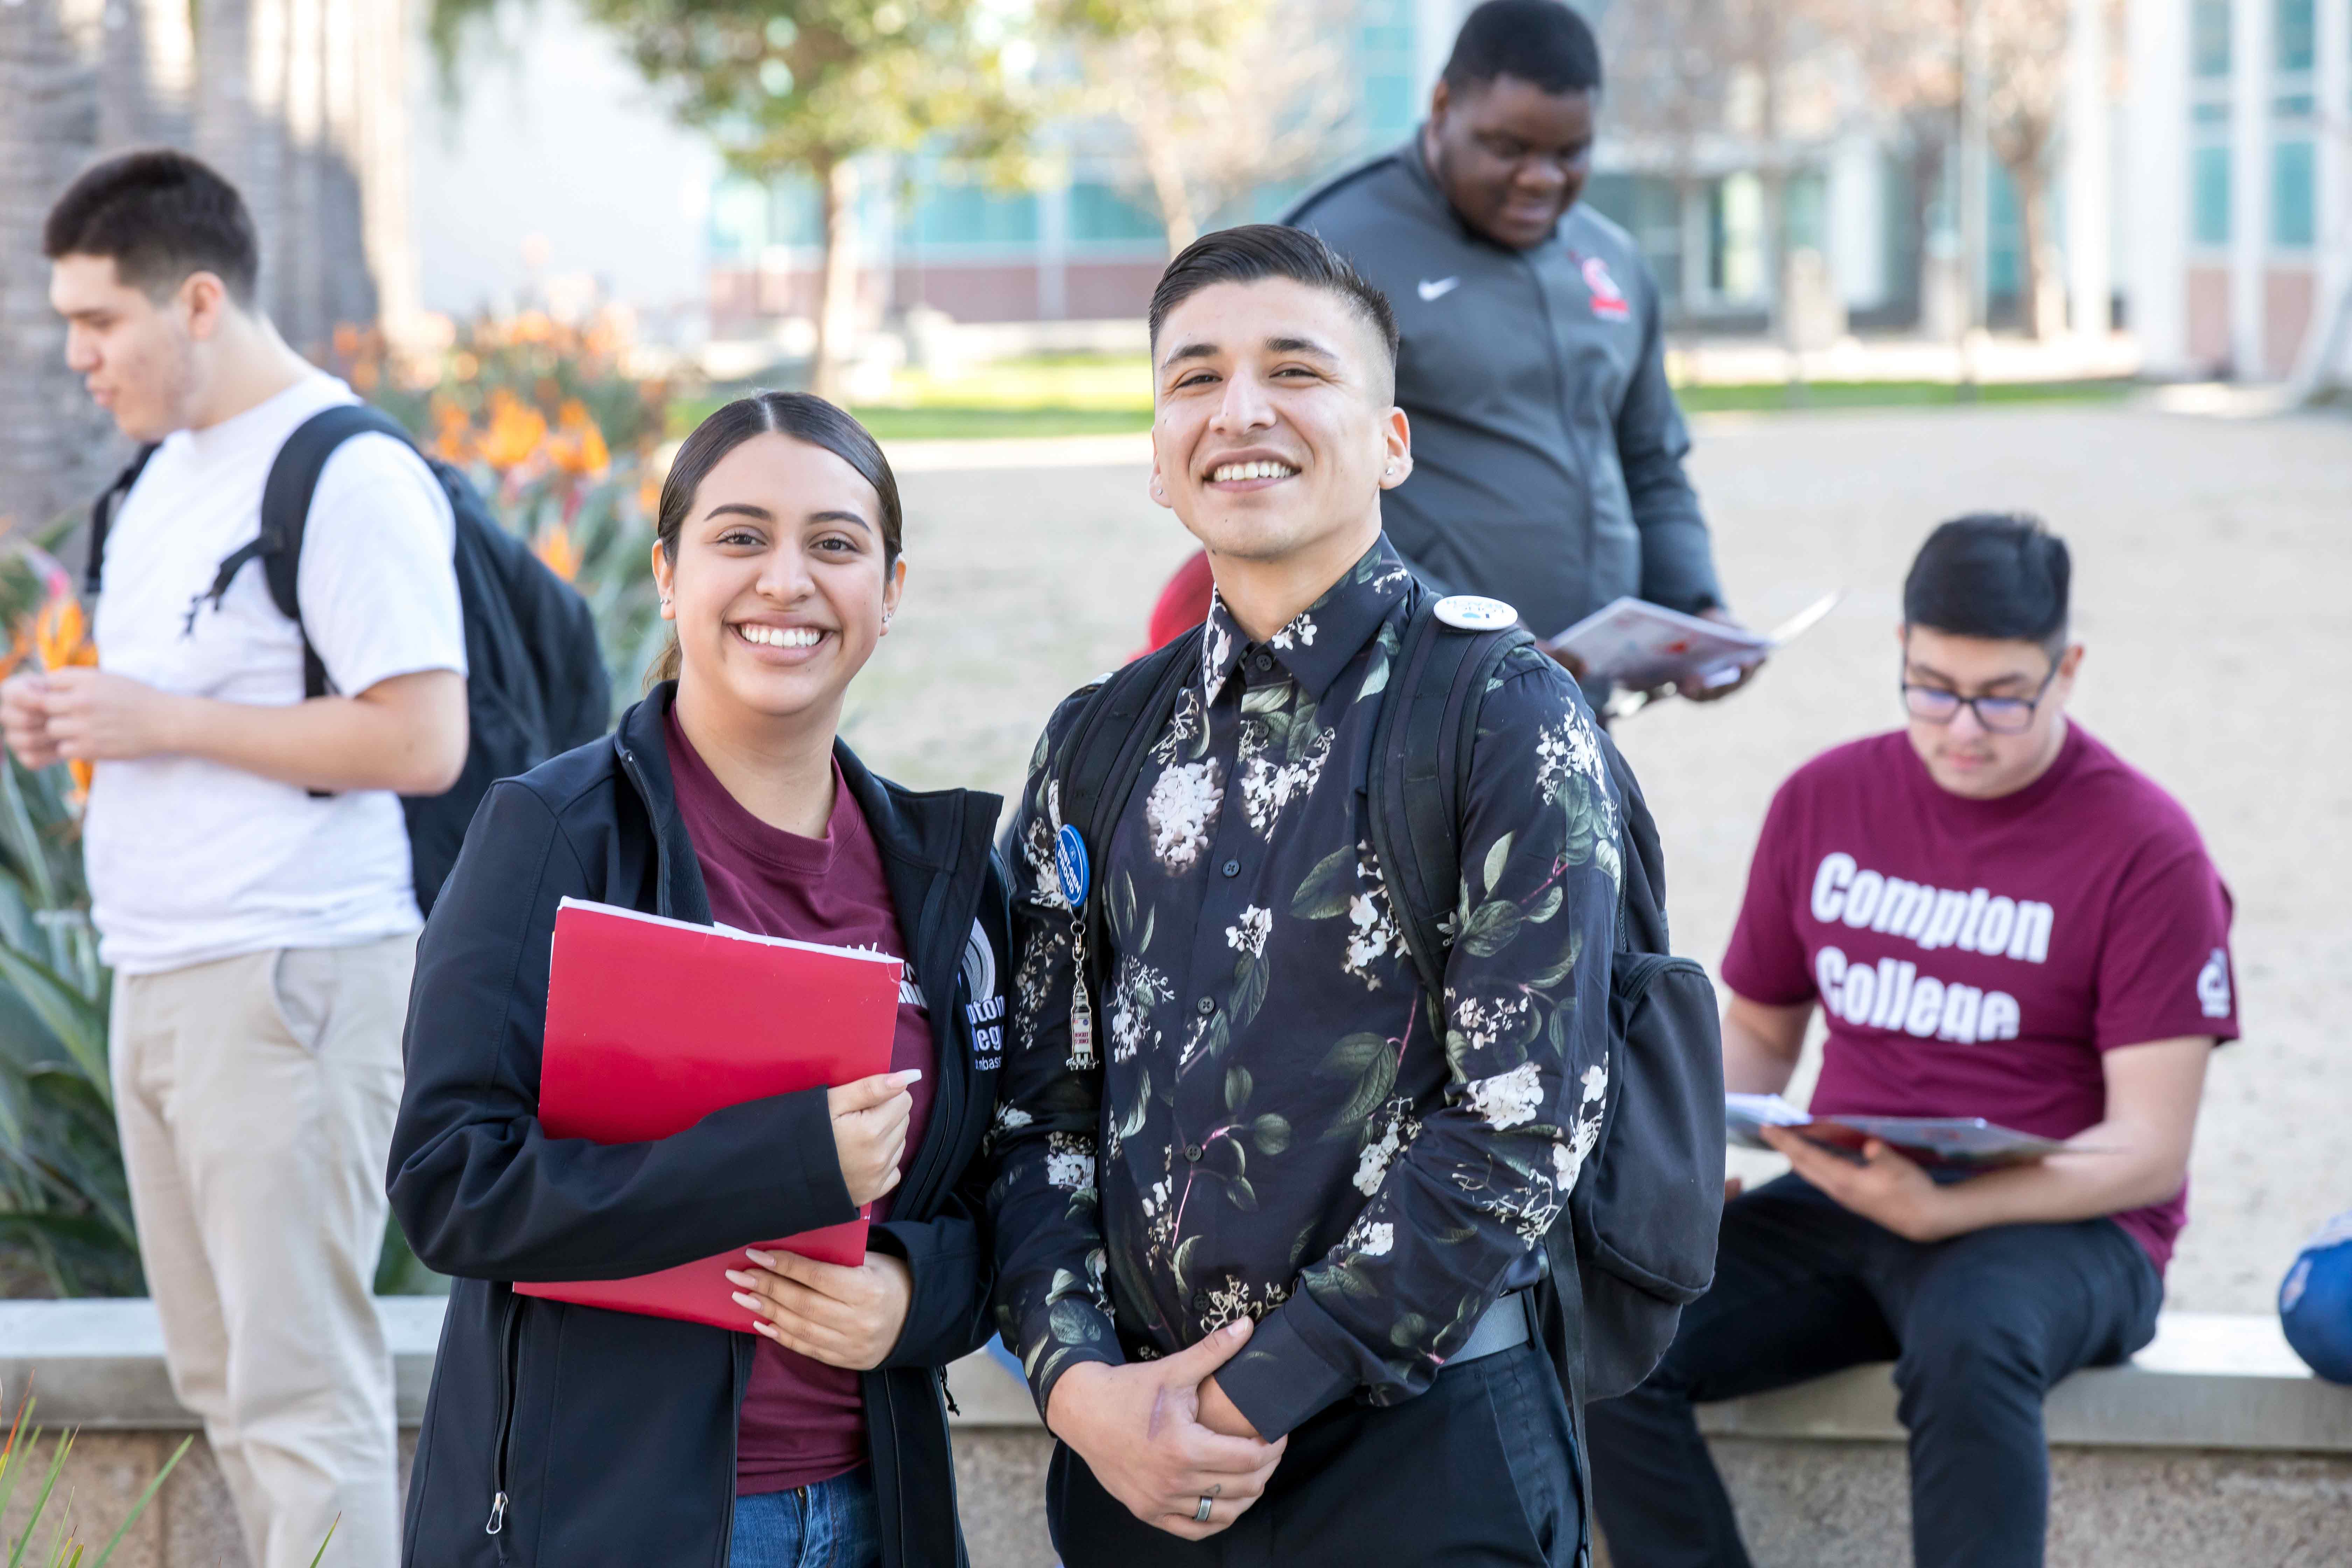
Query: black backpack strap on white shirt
[101, 517]
[286, 513]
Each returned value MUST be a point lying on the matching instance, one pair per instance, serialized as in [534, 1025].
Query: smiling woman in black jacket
[562, 1435]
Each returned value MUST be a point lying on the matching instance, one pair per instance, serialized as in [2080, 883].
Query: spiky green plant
[21, 1452]
[64, 1203]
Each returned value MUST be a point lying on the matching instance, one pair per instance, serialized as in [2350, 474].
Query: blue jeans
[832, 1524]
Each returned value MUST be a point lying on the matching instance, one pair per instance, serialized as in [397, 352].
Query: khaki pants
[255, 1097]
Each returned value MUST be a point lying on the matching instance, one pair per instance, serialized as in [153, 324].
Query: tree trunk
[147, 74]
[1164, 166]
[395, 295]
[2041, 299]
[348, 296]
[56, 448]
[838, 293]
[303, 238]
[241, 60]
[1770, 61]
[1928, 155]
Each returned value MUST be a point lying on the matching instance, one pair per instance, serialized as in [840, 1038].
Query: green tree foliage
[805, 87]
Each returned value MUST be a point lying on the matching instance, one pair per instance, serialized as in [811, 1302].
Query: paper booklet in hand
[654, 1023]
[1637, 645]
[1962, 1142]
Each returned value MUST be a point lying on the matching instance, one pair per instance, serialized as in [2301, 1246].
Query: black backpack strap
[286, 513]
[1117, 726]
[101, 517]
[1418, 775]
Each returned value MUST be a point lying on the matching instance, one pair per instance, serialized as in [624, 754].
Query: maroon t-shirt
[802, 1421]
[1976, 957]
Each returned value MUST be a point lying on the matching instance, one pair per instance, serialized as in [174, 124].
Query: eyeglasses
[2000, 715]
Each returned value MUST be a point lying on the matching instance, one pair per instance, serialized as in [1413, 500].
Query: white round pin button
[1473, 613]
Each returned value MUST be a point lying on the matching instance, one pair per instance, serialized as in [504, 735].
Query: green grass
[1775, 397]
[1092, 395]
[895, 423]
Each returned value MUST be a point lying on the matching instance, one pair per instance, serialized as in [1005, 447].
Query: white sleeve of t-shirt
[377, 584]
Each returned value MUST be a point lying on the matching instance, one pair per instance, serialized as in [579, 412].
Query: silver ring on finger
[1200, 1514]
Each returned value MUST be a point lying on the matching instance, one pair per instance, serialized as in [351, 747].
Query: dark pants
[1480, 1470]
[1979, 1328]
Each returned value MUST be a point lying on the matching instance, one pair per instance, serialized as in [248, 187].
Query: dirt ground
[2213, 560]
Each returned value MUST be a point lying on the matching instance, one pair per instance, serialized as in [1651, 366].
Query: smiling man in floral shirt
[1264, 1239]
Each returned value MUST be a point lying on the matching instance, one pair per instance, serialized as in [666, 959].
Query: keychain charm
[1070, 867]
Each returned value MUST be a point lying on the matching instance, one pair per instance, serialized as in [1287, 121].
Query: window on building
[1384, 69]
[738, 225]
[948, 211]
[2295, 24]
[2209, 196]
[2004, 237]
[2209, 37]
[1101, 215]
[2293, 188]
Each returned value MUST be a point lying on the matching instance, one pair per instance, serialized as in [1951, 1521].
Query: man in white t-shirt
[248, 860]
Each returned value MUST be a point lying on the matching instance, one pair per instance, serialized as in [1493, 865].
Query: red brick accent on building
[2287, 299]
[2208, 316]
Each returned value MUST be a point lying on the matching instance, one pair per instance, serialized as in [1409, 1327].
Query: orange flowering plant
[563, 434]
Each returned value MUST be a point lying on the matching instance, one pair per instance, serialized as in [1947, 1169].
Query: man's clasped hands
[1160, 1435]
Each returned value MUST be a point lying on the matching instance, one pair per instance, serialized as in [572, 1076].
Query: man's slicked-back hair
[161, 216]
[1538, 41]
[2002, 576]
[1255, 251]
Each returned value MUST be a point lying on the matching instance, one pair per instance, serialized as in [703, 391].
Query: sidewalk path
[2211, 565]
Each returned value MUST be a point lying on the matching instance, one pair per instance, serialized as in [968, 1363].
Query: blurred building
[2240, 190]
[1086, 250]
[1870, 230]
[2201, 186]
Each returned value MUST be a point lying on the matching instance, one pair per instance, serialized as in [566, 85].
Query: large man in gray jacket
[1548, 450]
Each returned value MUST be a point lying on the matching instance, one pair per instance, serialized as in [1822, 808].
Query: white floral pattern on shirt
[1183, 804]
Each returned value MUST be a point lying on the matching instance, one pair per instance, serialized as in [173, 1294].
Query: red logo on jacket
[1609, 302]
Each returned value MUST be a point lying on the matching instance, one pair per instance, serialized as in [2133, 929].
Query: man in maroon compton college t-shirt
[2000, 918]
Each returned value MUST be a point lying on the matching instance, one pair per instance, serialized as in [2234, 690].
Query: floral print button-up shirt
[1271, 1121]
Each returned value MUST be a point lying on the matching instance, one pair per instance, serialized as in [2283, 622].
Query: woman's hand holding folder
[843, 1316]
[869, 1131]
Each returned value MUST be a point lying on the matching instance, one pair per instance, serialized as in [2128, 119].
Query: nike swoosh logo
[1439, 290]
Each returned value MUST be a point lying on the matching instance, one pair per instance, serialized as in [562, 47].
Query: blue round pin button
[1070, 864]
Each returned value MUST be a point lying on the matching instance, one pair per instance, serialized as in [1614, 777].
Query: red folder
[654, 1023]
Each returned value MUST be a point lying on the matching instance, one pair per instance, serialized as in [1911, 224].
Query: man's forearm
[1761, 1045]
[2115, 1171]
[333, 743]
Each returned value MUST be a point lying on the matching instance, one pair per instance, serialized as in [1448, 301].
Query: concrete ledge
[2208, 1381]
[99, 1363]
[2215, 1445]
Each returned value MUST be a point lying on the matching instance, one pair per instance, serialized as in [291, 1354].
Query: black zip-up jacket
[570, 1436]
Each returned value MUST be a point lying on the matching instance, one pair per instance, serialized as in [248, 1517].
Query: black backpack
[535, 682]
[1638, 1243]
